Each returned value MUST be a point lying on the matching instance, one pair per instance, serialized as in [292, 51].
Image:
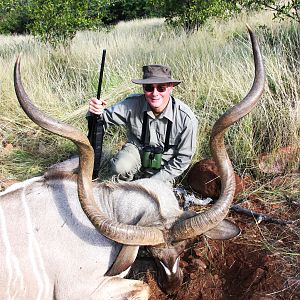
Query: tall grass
[215, 64]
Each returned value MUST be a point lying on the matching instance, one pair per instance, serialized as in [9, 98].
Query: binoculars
[152, 157]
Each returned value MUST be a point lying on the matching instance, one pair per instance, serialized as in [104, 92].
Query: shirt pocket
[173, 140]
[172, 149]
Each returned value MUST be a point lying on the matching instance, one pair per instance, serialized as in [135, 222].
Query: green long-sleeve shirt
[182, 141]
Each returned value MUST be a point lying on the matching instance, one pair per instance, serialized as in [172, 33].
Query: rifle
[96, 129]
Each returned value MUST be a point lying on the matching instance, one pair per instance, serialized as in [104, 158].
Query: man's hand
[97, 106]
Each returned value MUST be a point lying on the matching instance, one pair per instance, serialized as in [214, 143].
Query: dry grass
[215, 65]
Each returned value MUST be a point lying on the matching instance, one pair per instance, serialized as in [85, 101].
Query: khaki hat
[156, 74]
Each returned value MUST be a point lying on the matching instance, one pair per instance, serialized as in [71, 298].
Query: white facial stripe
[175, 267]
[166, 269]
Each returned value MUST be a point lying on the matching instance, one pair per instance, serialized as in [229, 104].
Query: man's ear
[171, 85]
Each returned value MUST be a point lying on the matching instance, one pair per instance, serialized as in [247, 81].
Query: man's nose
[155, 91]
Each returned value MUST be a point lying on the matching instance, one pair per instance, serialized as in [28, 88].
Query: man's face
[157, 95]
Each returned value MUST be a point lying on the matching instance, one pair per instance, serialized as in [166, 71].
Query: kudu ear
[124, 260]
[225, 230]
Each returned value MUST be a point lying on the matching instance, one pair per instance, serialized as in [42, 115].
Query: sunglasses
[150, 88]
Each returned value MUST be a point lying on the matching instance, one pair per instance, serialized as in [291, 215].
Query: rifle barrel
[101, 73]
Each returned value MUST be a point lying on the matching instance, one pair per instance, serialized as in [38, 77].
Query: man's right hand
[97, 106]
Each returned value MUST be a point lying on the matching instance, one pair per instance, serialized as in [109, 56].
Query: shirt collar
[167, 113]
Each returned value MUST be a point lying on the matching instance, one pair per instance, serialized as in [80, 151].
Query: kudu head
[167, 242]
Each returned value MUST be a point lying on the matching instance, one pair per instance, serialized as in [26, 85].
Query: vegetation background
[206, 46]
[216, 66]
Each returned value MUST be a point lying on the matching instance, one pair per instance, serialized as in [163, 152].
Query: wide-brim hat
[156, 74]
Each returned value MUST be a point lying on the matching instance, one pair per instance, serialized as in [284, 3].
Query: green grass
[214, 63]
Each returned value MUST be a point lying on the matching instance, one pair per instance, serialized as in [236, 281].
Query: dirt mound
[244, 268]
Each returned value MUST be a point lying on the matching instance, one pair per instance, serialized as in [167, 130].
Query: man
[161, 130]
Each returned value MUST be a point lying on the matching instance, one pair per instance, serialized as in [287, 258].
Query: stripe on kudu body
[35, 254]
[11, 264]
[23, 263]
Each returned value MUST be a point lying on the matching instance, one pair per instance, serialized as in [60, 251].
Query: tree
[53, 21]
[121, 10]
[191, 14]
[57, 21]
[14, 16]
[282, 9]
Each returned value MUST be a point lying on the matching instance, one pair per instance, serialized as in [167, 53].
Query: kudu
[52, 247]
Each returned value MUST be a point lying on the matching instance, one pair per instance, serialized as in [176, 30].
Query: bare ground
[262, 263]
